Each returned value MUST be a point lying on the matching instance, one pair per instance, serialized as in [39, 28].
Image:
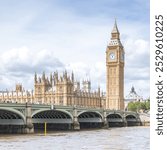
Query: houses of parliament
[65, 90]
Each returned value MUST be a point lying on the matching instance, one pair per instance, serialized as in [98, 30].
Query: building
[64, 90]
[132, 97]
[57, 90]
[115, 71]
[19, 95]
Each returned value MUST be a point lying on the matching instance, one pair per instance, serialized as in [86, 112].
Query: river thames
[128, 138]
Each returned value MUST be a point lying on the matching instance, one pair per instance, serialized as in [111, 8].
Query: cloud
[25, 61]
[19, 65]
[137, 71]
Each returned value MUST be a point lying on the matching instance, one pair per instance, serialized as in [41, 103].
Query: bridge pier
[105, 125]
[139, 123]
[125, 123]
[29, 127]
[139, 120]
[76, 124]
[105, 122]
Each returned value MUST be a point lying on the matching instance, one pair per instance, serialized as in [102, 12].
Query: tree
[136, 106]
[148, 104]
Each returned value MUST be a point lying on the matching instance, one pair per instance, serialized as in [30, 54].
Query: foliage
[136, 106]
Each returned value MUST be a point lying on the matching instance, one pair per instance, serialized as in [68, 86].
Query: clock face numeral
[112, 56]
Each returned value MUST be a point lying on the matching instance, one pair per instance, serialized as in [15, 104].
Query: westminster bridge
[27, 118]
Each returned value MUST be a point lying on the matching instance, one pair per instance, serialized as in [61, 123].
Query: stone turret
[86, 86]
[51, 79]
[64, 87]
[99, 90]
[35, 77]
[77, 86]
[55, 76]
[19, 88]
[72, 77]
[43, 77]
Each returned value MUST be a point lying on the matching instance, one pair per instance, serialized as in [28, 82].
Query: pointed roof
[115, 28]
[133, 90]
[43, 75]
[35, 76]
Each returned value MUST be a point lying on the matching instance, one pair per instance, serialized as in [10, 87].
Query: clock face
[112, 56]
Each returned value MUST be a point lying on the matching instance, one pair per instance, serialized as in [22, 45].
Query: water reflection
[130, 138]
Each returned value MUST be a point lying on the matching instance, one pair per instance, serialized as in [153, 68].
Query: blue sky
[49, 35]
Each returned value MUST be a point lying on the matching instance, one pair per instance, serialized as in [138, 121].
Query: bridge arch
[132, 120]
[114, 115]
[56, 110]
[90, 119]
[11, 114]
[11, 120]
[115, 120]
[55, 119]
[86, 112]
[130, 116]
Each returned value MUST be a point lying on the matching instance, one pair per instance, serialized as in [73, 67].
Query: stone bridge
[25, 118]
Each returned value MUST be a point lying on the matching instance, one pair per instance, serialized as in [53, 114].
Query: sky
[50, 35]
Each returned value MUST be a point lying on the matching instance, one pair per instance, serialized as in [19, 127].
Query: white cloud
[137, 66]
[137, 51]
[19, 65]
[24, 60]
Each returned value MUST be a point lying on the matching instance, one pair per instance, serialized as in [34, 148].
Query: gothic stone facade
[64, 90]
[57, 90]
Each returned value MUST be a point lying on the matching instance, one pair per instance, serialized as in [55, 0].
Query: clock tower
[115, 72]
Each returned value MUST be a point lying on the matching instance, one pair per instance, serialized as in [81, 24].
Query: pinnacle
[115, 28]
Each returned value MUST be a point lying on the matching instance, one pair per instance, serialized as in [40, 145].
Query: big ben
[115, 72]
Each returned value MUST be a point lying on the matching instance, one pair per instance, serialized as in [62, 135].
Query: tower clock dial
[112, 56]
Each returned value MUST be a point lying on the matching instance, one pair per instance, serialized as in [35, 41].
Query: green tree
[148, 104]
[136, 106]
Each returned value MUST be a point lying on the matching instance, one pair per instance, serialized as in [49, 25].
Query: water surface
[129, 138]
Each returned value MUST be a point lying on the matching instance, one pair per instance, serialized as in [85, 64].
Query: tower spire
[115, 31]
[43, 77]
[35, 77]
[115, 28]
[72, 76]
